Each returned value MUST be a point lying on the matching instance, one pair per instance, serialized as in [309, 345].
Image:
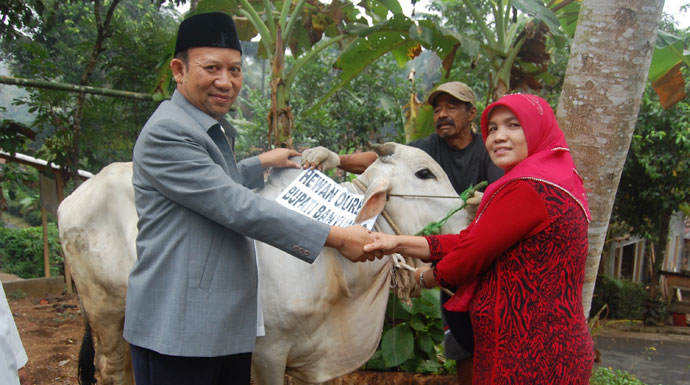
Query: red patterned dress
[528, 259]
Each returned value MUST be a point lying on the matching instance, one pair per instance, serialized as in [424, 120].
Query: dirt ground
[51, 329]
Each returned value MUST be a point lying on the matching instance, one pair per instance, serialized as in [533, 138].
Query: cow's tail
[86, 369]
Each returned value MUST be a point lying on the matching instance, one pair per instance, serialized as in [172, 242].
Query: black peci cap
[215, 29]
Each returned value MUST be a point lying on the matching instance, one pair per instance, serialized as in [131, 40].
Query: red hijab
[548, 160]
[548, 156]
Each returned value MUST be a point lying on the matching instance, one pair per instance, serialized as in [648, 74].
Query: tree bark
[598, 107]
[280, 118]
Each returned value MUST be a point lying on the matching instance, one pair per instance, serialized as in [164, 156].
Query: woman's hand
[383, 243]
[407, 245]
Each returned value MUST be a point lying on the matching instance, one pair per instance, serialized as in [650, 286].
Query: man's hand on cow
[472, 204]
[279, 158]
[320, 158]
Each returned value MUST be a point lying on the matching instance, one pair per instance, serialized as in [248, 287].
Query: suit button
[306, 252]
[295, 248]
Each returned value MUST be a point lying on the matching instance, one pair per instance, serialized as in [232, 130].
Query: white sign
[317, 196]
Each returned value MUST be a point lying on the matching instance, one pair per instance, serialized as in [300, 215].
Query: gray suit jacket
[192, 291]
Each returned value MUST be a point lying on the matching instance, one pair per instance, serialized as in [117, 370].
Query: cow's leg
[268, 363]
[113, 359]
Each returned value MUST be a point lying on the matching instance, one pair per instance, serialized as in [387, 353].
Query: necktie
[222, 142]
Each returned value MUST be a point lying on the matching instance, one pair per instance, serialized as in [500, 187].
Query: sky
[670, 6]
[673, 7]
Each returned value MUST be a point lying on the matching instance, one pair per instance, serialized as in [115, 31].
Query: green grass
[610, 376]
[9, 219]
[16, 295]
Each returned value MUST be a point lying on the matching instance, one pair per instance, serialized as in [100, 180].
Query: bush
[655, 312]
[30, 216]
[412, 337]
[21, 251]
[608, 376]
[625, 299]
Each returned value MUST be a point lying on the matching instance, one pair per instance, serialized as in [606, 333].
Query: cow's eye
[424, 174]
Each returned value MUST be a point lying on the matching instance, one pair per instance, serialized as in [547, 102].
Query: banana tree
[514, 46]
[404, 39]
[664, 73]
[305, 27]
[665, 70]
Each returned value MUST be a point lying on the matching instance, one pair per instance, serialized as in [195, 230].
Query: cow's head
[412, 187]
[414, 191]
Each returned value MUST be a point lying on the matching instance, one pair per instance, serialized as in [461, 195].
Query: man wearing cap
[462, 155]
[192, 315]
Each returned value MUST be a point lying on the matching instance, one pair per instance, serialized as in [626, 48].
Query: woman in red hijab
[519, 267]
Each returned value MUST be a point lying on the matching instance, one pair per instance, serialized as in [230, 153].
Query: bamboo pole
[60, 185]
[22, 82]
[46, 253]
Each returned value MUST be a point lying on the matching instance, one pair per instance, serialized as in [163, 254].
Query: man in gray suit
[191, 315]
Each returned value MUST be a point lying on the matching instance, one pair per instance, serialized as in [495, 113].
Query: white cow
[322, 320]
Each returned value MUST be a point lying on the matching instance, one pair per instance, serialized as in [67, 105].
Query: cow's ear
[374, 200]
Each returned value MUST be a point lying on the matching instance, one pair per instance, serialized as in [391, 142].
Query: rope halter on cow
[406, 287]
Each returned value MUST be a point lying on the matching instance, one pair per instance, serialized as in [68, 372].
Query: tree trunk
[102, 33]
[598, 107]
[280, 118]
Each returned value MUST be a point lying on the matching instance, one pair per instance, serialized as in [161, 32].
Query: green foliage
[17, 16]
[625, 299]
[16, 295]
[412, 337]
[393, 35]
[305, 28]
[515, 49]
[19, 188]
[655, 181]
[609, 376]
[476, 69]
[21, 251]
[656, 178]
[655, 312]
[12, 139]
[369, 110]
[60, 50]
[434, 228]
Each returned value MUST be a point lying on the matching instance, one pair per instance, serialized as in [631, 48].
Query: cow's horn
[384, 149]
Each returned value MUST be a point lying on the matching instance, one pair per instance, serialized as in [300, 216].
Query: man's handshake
[350, 241]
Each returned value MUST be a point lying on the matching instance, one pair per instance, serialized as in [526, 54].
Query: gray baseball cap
[458, 90]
